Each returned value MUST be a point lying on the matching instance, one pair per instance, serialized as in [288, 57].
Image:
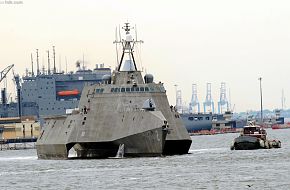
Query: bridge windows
[99, 90]
[131, 89]
[135, 89]
[195, 118]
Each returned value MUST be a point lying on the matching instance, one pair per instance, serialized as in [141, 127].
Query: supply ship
[197, 122]
[49, 92]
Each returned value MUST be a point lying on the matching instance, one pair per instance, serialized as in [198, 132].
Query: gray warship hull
[145, 137]
[133, 147]
[177, 140]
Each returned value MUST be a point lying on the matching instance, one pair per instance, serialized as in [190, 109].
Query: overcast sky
[185, 42]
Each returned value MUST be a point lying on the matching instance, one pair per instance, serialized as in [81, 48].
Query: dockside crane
[178, 105]
[5, 72]
[223, 102]
[3, 75]
[208, 103]
[18, 91]
[194, 106]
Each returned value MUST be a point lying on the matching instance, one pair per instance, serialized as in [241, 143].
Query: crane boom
[5, 72]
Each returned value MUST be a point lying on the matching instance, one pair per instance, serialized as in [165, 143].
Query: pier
[18, 143]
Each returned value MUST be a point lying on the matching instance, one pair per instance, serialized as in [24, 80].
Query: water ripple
[210, 165]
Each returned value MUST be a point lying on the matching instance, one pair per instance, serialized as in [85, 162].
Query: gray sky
[185, 42]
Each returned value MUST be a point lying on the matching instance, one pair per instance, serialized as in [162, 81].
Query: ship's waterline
[210, 165]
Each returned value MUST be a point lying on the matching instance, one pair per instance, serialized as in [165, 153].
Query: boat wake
[18, 158]
[208, 150]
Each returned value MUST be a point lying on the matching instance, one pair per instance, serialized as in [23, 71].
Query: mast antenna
[43, 66]
[230, 101]
[128, 46]
[120, 33]
[48, 62]
[65, 64]
[261, 99]
[54, 68]
[32, 72]
[37, 62]
[136, 32]
[116, 36]
[283, 100]
[83, 61]
[59, 63]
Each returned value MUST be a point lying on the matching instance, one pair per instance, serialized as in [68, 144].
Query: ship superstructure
[46, 94]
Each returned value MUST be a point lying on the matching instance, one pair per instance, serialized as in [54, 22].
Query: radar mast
[128, 44]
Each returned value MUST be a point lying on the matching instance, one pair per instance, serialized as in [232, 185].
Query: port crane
[18, 91]
[3, 75]
[5, 72]
[223, 103]
[194, 106]
[208, 103]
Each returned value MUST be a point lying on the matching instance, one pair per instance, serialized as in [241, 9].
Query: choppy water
[211, 165]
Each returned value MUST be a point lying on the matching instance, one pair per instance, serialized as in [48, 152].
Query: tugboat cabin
[254, 131]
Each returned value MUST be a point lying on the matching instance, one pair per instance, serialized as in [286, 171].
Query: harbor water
[210, 165]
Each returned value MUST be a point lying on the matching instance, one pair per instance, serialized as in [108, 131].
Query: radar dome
[148, 78]
[106, 79]
[128, 66]
[129, 38]
[149, 105]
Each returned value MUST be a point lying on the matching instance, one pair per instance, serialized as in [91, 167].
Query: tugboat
[254, 137]
[122, 111]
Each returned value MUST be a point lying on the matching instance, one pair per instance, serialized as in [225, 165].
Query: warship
[124, 110]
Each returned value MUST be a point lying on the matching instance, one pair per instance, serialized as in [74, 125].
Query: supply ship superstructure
[45, 94]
